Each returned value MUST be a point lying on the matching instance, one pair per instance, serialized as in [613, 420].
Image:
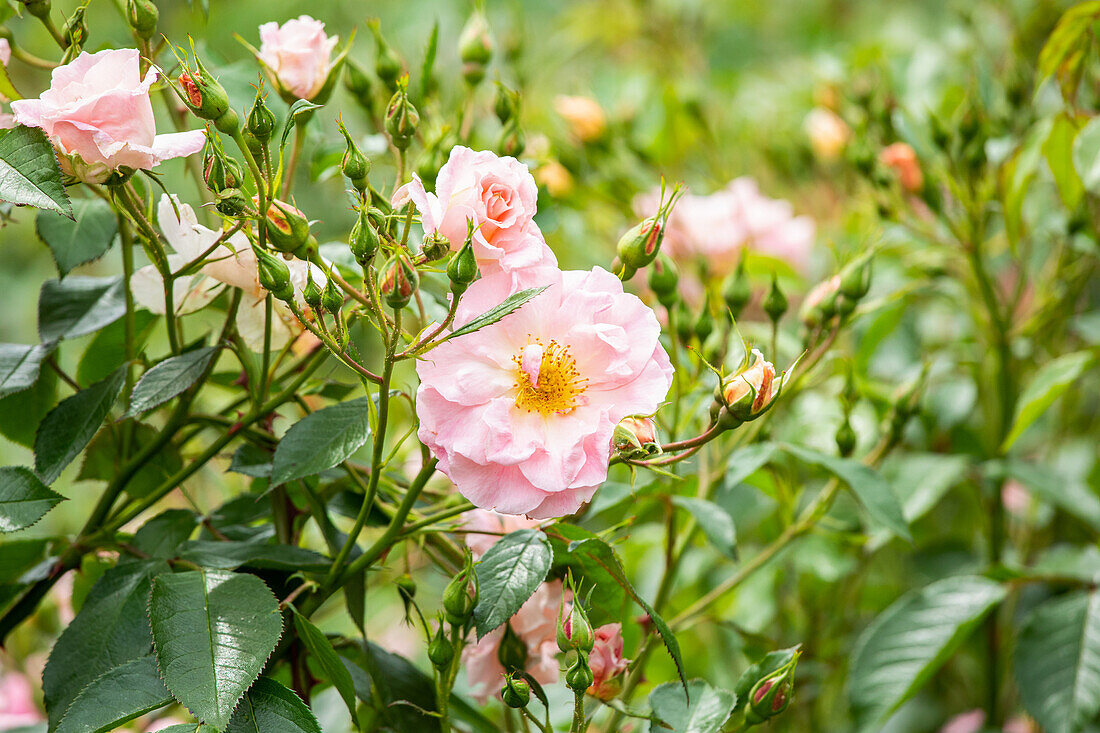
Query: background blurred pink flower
[585, 116]
[97, 111]
[606, 660]
[298, 55]
[536, 623]
[496, 525]
[828, 133]
[498, 194]
[17, 706]
[520, 413]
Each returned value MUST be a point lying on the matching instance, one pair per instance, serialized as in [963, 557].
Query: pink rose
[98, 114]
[484, 528]
[17, 707]
[298, 55]
[497, 194]
[5, 51]
[520, 413]
[536, 623]
[606, 661]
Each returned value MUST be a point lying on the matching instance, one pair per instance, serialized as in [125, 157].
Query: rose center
[547, 380]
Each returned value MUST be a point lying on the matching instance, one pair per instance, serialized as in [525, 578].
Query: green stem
[578, 725]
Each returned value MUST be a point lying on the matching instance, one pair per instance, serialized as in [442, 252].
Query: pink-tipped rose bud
[584, 116]
[287, 227]
[607, 662]
[297, 55]
[399, 280]
[902, 160]
[635, 437]
[820, 302]
[749, 393]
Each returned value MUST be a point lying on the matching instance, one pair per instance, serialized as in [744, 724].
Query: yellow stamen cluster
[559, 382]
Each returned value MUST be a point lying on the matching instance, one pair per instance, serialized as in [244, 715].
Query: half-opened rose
[298, 54]
[521, 413]
[607, 661]
[497, 193]
[97, 113]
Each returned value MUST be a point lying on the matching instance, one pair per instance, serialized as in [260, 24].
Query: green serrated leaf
[19, 366]
[213, 631]
[83, 238]
[29, 174]
[873, 492]
[24, 499]
[1048, 384]
[491, 316]
[259, 555]
[271, 708]
[169, 378]
[715, 522]
[70, 426]
[116, 697]
[601, 553]
[1057, 662]
[704, 710]
[508, 574]
[79, 305]
[321, 648]
[321, 440]
[21, 413]
[110, 630]
[905, 645]
[162, 535]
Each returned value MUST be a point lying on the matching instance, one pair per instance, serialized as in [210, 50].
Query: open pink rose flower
[498, 194]
[536, 623]
[521, 413]
[607, 661]
[298, 55]
[232, 263]
[715, 228]
[97, 113]
[17, 707]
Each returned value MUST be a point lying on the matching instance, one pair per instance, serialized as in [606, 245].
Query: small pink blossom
[98, 114]
[17, 706]
[484, 528]
[536, 624]
[607, 661]
[715, 228]
[497, 193]
[298, 55]
[530, 436]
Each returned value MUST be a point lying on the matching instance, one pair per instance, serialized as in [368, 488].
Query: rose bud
[512, 652]
[516, 693]
[232, 202]
[435, 246]
[402, 119]
[845, 438]
[142, 16]
[332, 300]
[76, 30]
[902, 160]
[221, 172]
[202, 93]
[750, 392]
[355, 166]
[639, 246]
[771, 695]
[475, 48]
[364, 240]
[287, 228]
[399, 280]
[273, 274]
[820, 303]
[311, 293]
[579, 676]
[663, 279]
[855, 279]
[460, 595]
[775, 303]
[261, 120]
[635, 437]
[575, 630]
[38, 8]
[462, 269]
[441, 652]
[387, 64]
[506, 104]
[512, 140]
[736, 290]
[622, 270]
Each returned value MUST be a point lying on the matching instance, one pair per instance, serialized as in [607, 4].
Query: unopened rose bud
[820, 302]
[461, 594]
[406, 586]
[663, 279]
[704, 324]
[273, 274]
[512, 652]
[435, 246]
[475, 48]
[855, 279]
[355, 166]
[399, 280]
[441, 652]
[402, 119]
[641, 243]
[332, 300]
[311, 293]
[232, 202]
[202, 93]
[387, 64]
[516, 693]
[287, 228]
[845, 439]
[512, 140]
[685, 324]
[360, 86]
[38, 8]
[142, 15]
[506, 104]
[221, 172]
[462, 269]
[575, 631]
[364, 240]
[579, 676]
[635, 437]
[771, 696]
[76, 29]
[261, 120]
[736, 290]
[622, 270]
[750, 392]
[775, 303]
[902, 160]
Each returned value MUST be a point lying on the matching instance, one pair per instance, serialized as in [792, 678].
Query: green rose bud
[261, 120]
[441, 652]
[516, 693]
[142, 15]
[273, 274]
